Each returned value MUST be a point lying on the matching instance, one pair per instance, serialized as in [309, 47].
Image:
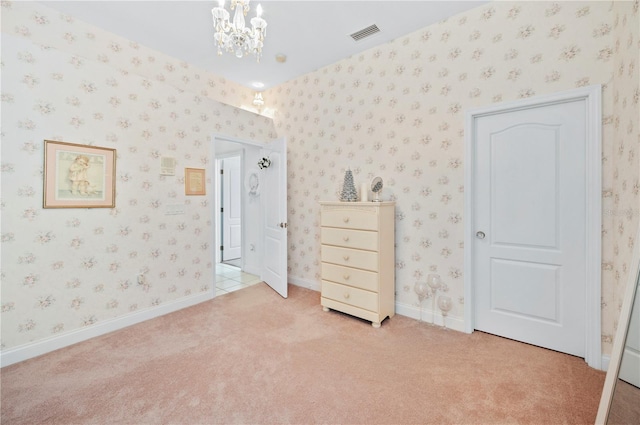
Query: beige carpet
[252, 357]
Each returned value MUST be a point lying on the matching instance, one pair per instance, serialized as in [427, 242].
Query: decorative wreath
[264, 163]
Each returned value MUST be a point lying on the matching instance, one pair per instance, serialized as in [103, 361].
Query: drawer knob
[346, 258]
[346, 277]
[346, 295]
[346, 238]
[346, 219]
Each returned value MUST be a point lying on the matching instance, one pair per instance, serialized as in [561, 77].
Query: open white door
[273, 201]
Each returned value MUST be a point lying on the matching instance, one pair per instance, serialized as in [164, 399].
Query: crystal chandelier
[233, 36]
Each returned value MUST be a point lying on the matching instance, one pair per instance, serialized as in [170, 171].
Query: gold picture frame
[78, 176]
[194, 181]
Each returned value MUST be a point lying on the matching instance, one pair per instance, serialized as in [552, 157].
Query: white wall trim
[453, 322]
[304, 283]
[34, 349]
[402, 309]
[592, 96]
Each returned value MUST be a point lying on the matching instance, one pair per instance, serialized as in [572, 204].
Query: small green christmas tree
[349, 193]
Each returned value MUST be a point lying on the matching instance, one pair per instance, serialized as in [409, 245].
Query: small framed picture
[78, 176]
[194, 181]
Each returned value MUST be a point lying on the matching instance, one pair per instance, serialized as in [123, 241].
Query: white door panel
[530, 204]
[525, 156]
[232, 208]
[273, 200]
[533, 295]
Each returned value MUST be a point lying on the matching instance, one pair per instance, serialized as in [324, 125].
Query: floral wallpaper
[397, 111]
[63, 269]
[624, 192]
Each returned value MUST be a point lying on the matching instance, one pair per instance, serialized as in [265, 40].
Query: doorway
[236, 267]
[230, 192]
[532, 222]
[261, 195]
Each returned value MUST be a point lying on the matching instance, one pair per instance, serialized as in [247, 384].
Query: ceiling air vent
[365, 32]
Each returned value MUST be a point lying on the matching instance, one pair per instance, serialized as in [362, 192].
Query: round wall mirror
[376, 188]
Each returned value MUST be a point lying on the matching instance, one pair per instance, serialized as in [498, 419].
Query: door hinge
[221, 171]
[221, 248]
[221, 209]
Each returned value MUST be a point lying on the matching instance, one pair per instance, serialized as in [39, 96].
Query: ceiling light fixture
[233, 36]
[258, 100]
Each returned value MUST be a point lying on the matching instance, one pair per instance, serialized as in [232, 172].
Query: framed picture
[194, 182]
[78, 176]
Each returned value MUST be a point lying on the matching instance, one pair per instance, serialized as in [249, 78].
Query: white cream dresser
[358, 259]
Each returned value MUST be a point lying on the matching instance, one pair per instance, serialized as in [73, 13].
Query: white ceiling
[312, 34]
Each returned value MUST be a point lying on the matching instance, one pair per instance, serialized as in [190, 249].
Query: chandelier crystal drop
[233, 36]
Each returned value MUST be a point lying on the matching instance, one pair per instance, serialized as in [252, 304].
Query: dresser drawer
[353, 277]
[349, 295]
[364, 219]
[367, 260]
[358, 239]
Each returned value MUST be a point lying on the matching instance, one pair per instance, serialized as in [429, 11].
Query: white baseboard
[456, 323]
[304, 283]
[402, 309]
[34, 349]
[31, 350]
[413, 312]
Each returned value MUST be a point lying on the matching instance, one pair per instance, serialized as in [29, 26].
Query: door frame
[593, 181]
[215, 137]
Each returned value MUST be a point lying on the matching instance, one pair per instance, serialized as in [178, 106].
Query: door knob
[480, 235]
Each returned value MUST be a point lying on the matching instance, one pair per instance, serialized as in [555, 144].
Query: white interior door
[231, 208]
[530, 223]
[273, 198]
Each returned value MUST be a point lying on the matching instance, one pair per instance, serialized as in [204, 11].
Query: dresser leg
[326, 309]
[375, 324]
